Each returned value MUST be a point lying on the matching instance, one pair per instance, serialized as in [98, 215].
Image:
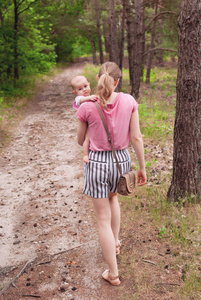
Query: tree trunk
[130, 38]
[99, 32]
[186, 179]
[143, 37]
[121, 53]
[135, 84]
[15, 42]
[151, 54]
[114, 53]
[106, 37]
[93, 48]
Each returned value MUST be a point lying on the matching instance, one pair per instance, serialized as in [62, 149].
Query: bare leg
[115, 216]
[86, 148]
[106, 237]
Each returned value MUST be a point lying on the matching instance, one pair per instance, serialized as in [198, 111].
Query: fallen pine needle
[34, 296]
[165, 283]
[149, 262]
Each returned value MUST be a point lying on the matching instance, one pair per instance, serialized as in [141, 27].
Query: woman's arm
[137, 143]
[81, 132]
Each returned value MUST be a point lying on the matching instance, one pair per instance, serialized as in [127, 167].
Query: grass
[150, 225]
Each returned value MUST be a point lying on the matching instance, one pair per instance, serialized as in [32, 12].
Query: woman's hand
[141, 177]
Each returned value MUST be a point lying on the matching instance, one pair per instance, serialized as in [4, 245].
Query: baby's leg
[86, 148]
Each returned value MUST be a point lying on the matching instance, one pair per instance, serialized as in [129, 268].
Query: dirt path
[44, 215]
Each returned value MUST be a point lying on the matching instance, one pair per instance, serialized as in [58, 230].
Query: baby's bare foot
[86, 159]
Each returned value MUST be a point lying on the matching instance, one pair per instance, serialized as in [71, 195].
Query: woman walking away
[101, 174]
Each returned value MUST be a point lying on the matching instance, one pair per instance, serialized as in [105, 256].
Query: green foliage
[81, 46]
[46, 33]
[162, 231]
[153, 75]
[35, 53]
[64, 48]
[90, 71]
[50, 32]
[166, 33]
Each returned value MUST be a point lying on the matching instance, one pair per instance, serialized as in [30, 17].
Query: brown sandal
[118, 246]
[113, 280]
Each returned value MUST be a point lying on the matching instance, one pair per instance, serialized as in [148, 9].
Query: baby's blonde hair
[75, 79]
[108, 74]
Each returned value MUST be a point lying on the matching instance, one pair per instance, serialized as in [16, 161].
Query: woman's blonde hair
[108, 74]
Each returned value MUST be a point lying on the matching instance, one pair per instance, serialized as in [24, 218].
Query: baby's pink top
[117, 118]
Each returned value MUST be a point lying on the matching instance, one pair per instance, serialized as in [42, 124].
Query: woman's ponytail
[108, 74]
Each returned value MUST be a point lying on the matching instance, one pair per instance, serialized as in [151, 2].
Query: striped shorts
[101, 174]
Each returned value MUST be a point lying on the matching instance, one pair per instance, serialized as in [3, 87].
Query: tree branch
[27, 7]
[18, 5]
[158, 48]
[158, 15]
[30, 262]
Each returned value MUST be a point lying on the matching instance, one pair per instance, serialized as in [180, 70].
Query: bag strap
[108, 134]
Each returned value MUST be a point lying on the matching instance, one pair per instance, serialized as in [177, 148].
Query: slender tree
[186, 179]
[106, 36]
[15, 40]
[135, 84]
[130, 37]
[93, 46]
[151, 54]
[89, 24]
[99, 32]
[121, 52]
[143, 40]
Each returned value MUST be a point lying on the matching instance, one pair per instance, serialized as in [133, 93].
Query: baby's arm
[88, 98]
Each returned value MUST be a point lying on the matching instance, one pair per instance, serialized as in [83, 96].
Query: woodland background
[156, 43]
[35, 35]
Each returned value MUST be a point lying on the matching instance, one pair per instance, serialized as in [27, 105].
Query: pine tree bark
[121, 53]
[186, 179]
[130, 38]
[106, 37]
[143, 37]
[135, 84]
[99, 32]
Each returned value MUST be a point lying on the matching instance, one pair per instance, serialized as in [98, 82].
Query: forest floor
[49, 244]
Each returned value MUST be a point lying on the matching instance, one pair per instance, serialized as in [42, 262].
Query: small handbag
[126, 184]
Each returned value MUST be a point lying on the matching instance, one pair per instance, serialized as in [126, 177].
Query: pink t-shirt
[117, 118]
